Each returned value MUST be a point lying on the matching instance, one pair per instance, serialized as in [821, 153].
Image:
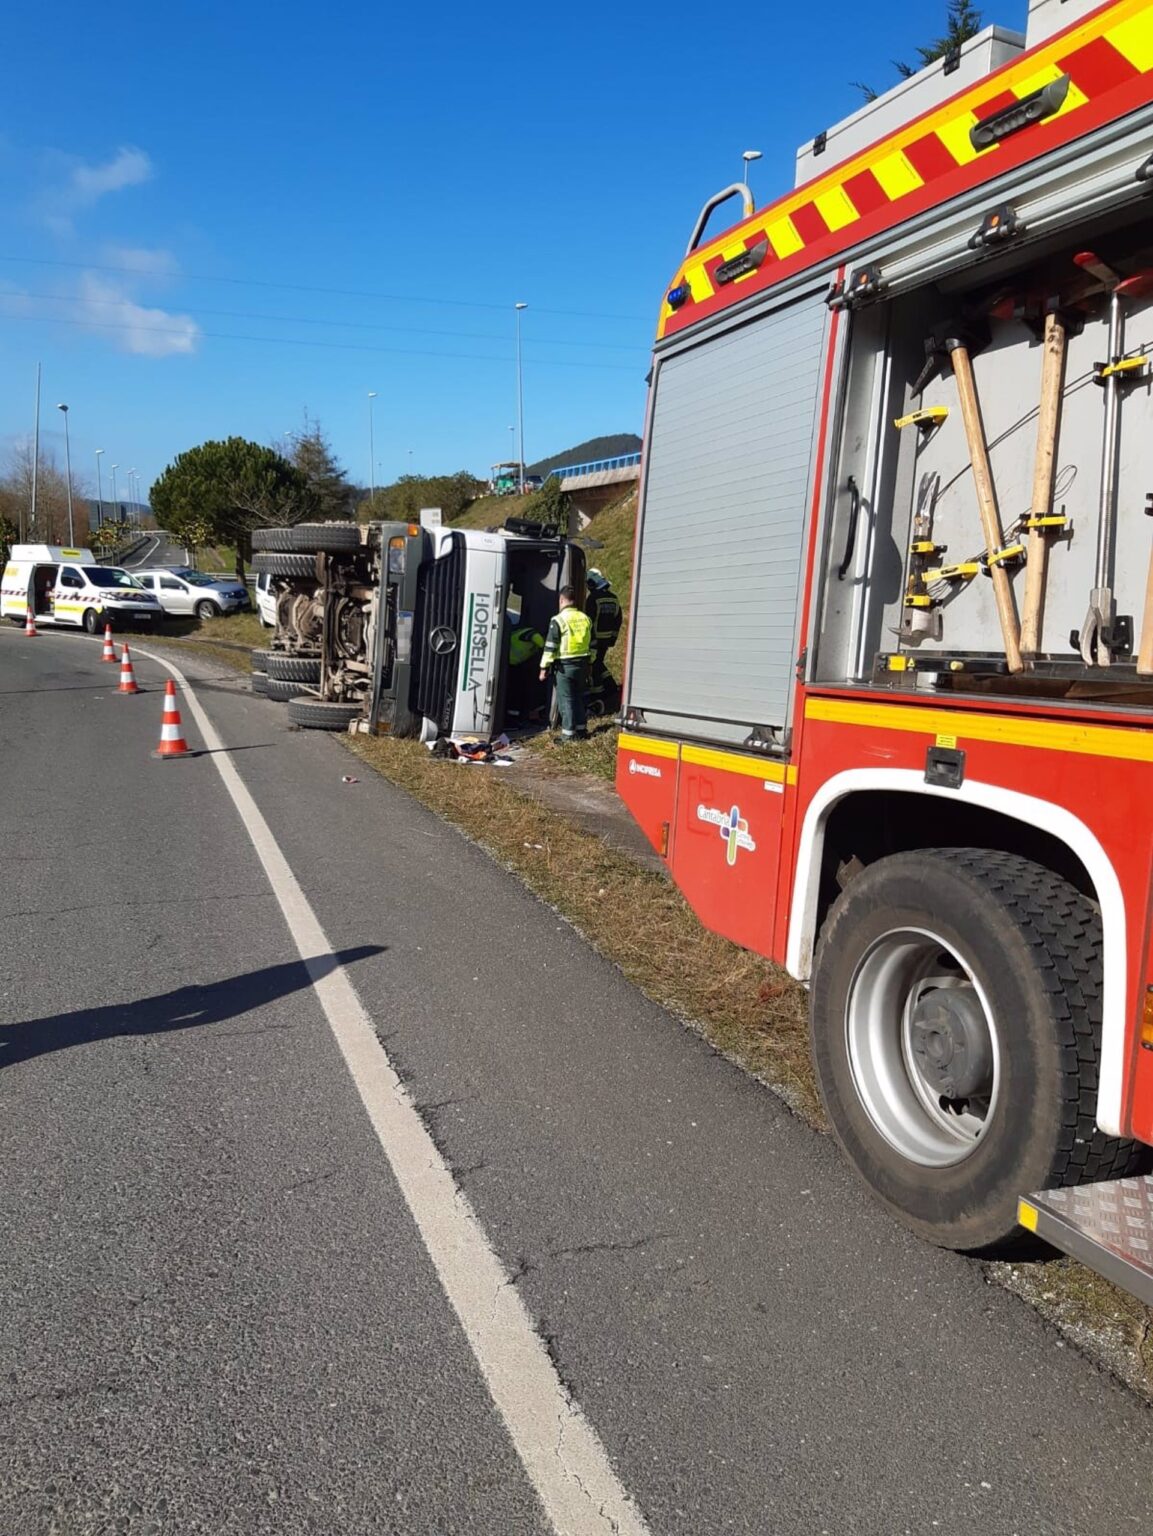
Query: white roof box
[930, 86]
[1049, 16]
[50, 554]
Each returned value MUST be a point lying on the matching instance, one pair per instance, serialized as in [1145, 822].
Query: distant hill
[584, 453]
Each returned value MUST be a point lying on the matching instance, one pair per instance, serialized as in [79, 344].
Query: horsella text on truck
[889, 696]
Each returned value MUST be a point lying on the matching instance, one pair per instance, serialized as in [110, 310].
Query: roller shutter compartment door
[727, 484]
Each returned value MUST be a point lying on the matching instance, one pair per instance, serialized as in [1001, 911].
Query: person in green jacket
[566, 655]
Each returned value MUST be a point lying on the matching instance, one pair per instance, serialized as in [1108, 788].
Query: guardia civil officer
[566, 654]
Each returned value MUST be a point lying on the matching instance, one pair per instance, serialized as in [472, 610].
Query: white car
[266, 600]
[183, 590]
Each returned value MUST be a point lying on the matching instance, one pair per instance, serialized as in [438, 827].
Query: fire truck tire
[293, 669]
[274, 540]
[301, 566]
[321, 714]
[326, 538]
[956, 1027]
[260, 682]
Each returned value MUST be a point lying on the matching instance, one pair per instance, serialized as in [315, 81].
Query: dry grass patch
[745, 1005]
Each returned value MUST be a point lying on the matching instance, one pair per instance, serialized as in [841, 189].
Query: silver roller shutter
[726, 489]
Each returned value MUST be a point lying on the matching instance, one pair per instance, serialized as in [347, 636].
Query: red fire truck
[889, 702]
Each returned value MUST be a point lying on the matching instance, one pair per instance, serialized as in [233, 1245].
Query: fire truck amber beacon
[898, 733]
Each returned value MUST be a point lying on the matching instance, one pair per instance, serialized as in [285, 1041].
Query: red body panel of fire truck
[887, 715]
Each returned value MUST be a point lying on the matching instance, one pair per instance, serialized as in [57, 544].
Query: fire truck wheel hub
[922, 1047]
[951, 1042]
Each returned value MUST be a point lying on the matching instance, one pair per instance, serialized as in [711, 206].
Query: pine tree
[312, 455]
[963, 21]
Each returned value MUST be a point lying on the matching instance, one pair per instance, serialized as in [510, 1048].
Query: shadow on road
[184, 1008]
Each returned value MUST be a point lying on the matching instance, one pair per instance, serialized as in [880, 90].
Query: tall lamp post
[68, 472]
[99, 492]
[132, 496]
[115, 502]
[371, 450]
[520, 399]
[748, 157]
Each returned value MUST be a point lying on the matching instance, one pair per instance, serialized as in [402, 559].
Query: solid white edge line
[561, 1452]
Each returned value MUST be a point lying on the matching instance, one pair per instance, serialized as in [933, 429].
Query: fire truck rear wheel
[956, 1029]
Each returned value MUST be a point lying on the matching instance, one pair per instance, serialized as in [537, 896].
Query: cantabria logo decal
[732, 826]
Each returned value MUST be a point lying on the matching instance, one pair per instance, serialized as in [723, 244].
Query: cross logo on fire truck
[733, 828]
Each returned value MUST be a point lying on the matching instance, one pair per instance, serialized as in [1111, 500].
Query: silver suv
[183, 590]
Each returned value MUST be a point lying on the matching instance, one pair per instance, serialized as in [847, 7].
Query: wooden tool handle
[986, 502]
[1145, 650]
[1048, 416]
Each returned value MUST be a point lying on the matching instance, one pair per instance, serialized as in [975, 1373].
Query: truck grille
[437, 637]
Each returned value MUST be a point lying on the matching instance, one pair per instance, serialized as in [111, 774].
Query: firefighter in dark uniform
[566, 655]
[604, 611]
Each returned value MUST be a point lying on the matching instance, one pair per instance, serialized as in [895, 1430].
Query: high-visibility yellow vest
[523, 644]
[569, 637]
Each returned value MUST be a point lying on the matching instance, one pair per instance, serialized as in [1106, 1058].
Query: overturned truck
[407, 628]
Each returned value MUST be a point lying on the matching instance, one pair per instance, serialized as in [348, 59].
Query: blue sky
[217, 219]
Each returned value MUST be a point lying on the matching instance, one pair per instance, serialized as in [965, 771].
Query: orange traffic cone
[109, 648]
[30, 623]
[127, 676]
[172, 742]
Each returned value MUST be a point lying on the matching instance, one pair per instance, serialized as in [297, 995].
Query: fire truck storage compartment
[728, 484]
[882, 476]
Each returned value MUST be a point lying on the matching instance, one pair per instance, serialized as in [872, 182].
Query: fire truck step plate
[1108, 1226]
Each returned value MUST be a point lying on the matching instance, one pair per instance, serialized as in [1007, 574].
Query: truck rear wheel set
[956, 1022]
[308, 539]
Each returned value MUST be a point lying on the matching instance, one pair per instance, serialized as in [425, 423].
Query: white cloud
[128, 168]
[73, 184]
[140, 259]
[145, 332]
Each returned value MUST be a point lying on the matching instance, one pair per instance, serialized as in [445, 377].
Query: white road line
[559, 1449]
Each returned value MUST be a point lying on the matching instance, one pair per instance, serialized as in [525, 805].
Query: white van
[67, 587]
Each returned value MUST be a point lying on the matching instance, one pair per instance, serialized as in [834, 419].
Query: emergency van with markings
[66, 587]
[888, 715]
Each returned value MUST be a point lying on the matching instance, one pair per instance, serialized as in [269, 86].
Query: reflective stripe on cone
[127, 675]
[172, 742]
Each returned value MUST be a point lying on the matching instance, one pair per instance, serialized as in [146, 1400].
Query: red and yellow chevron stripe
[1109, 60]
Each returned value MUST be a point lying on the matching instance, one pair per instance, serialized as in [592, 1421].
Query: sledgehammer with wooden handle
[958, 351]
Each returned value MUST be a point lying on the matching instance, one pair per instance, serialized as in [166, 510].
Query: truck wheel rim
[922, 1047]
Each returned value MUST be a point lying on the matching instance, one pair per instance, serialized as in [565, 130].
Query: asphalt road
[157, 551]
[216, 1312]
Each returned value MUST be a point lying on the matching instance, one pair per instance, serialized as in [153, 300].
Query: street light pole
[132, 495]
[99, 492]
[748, 157]
[371, 451]
[520, 400]
[115, 502]
[68, 472]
